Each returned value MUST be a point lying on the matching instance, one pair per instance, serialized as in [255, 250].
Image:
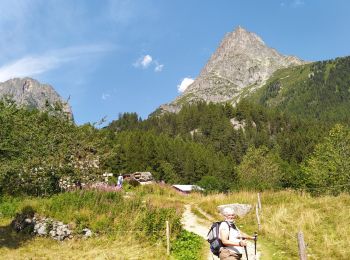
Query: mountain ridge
[30, 93]
[241, 62]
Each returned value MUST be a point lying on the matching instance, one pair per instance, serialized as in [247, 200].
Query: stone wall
[47, 227]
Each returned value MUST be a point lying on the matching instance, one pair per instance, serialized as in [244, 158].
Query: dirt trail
[201, 226]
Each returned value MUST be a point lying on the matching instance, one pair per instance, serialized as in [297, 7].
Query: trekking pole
[245, 249]
[255, 239]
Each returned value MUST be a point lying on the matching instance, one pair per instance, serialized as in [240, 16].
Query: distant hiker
[231, 237]
[120, 181]
[78, 185]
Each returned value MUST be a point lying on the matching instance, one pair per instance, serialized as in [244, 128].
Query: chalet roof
[187, 188]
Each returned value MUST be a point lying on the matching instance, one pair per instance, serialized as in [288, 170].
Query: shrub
[187, 246]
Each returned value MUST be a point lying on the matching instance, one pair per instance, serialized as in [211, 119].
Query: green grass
[9, 206]
[323, 220]
[112, 217]
[123, 247]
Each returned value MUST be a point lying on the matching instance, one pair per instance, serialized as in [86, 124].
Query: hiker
[120, 181]
[231, 237]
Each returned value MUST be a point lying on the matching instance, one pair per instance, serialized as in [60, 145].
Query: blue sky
[114, 56]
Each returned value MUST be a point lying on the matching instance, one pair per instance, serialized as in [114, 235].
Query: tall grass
[9, 206]
[323, 220]
[112, 216]
[110, 212]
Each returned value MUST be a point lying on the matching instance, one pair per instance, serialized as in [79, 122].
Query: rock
[87, 233]
[240, 209]
[28, 221]
[29, 93]
[41, 231]
[42, 226]
[60, 232]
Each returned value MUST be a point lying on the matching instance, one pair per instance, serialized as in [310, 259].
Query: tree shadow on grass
[19, 231]
[11, 239]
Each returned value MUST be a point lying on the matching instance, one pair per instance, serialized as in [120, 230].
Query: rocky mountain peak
[242, 63]
[30, 93]
[242, 37]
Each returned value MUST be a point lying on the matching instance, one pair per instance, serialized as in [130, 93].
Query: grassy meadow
[126, 225]
[323, 220]
[131, 224]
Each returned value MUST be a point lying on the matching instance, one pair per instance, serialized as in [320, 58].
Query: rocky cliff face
[29, 93]
[241, 64]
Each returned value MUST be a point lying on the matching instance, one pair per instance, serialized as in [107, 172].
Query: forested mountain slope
[286, 134]
[320, 90]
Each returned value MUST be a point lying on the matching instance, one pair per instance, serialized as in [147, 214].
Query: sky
[113, 56]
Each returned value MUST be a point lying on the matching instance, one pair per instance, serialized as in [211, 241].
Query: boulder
[240, 209]
[87, 233]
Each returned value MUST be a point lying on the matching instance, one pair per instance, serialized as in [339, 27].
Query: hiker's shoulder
[224, 225]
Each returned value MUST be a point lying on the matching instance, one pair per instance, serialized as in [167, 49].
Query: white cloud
[28, 66]
[147, 61]
[293, 4]
[37, 64]
[22, 33]
[105, 96]
[143, 62]
[158, 67]
[184, 84]
[298, 3]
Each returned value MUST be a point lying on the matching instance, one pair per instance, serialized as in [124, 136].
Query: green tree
[260, 169]
[328, 169]
[167, 172]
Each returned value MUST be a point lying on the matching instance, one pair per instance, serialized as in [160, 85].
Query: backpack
[214, 239]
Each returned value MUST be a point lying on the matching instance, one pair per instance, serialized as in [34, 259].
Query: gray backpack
[214, 239]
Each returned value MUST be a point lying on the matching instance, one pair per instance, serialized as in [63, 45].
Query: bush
[187, 246]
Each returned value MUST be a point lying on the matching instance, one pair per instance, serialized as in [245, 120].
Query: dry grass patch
[323, 220]
[122, 247]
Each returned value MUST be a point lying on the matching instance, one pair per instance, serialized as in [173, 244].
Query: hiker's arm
[245, 236]
[224, 234]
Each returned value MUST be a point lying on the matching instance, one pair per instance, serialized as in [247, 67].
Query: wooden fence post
[301, 246]
[257, 216]
[259, 202]
[167, 238]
